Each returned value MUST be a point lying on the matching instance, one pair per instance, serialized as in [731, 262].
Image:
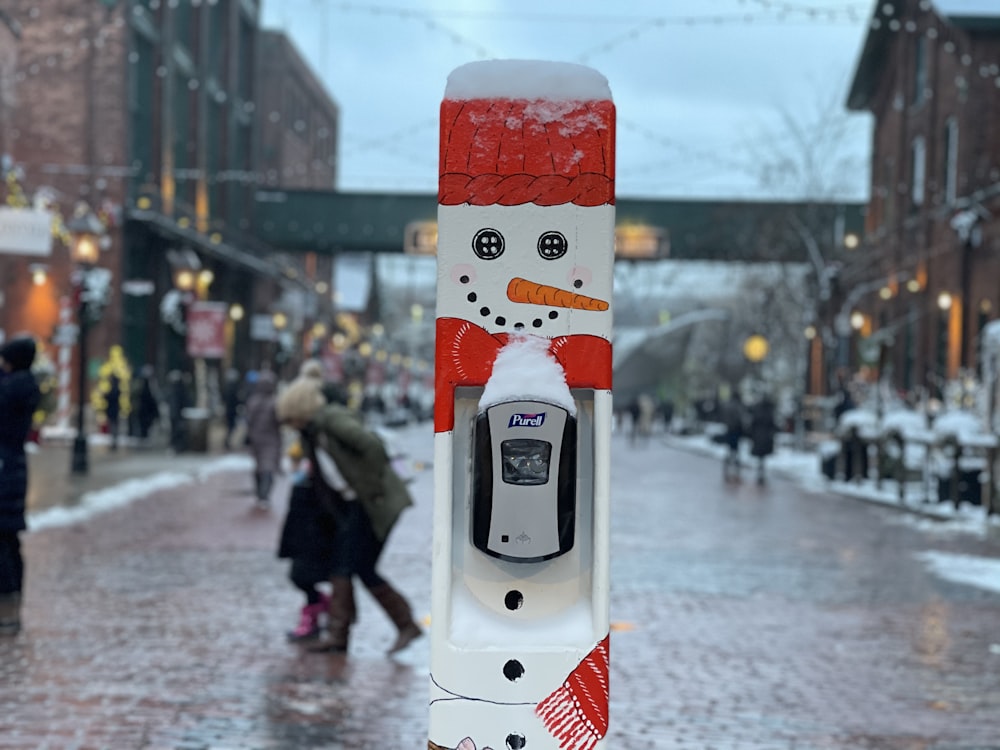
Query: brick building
[61, 145]
[299, 120]
[150, 114]
[10, 37]
[926, 279]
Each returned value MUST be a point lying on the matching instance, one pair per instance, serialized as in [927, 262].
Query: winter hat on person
[311, 368]
[266, 383]
[19, 353]
[300, 400]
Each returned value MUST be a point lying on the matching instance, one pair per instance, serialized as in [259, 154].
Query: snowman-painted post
[522, 415]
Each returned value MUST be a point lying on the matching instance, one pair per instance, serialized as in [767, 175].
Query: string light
[763, 11]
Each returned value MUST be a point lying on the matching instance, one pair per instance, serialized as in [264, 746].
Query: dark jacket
[113, 398]
[362, 459]
[147, 405]
[762, 428]
[19, 397]
[309, 531]
[733, 416]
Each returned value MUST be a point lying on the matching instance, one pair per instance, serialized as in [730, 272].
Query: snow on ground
[119, 495]
[982, 572]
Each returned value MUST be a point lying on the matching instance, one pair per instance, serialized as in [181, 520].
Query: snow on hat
[516, 132]
[19, 352]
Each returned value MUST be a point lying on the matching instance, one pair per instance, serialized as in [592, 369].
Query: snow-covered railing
[955, 448]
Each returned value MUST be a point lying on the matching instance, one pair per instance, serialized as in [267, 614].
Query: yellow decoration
[15, 193]
[117, 365]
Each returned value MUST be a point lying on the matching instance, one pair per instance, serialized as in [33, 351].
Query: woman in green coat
[352, 469]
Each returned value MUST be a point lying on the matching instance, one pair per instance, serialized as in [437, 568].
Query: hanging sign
[206, 330]
[25, 231]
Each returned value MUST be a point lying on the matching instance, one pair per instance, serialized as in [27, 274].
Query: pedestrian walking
[353, 477]
[19, 397]
[308, 536]
[647, 413]
[763, 428]
[666, 411]
[232, 400]
[147, 402]
[733, 417]
[308, 541]
[264, 436]
[634, 411]
[112, 408]
[178, 399]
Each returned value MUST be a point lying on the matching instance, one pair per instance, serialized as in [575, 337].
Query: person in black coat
[232, 400]
[146, 405]
[112, 408]
[733, 417]
[178, 400]
[762, 431]
[19, 397]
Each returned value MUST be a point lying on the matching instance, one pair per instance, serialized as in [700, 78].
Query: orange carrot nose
[533, 293]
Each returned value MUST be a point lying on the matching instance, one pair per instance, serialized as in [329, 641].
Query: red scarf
[466, 353]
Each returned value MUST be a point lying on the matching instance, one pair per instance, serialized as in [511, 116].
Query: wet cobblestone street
[746, 618]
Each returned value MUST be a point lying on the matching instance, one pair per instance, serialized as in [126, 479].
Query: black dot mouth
[500, 320]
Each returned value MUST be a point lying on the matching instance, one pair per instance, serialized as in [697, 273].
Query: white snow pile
[525, 371]
[965, 427]
[982, 572]
[906, 422]
[865, 421]
[526, 79]
[125, 493]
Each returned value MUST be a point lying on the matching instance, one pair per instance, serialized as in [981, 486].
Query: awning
[226, 252]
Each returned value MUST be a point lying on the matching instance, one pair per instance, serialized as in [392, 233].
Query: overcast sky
[701, 86]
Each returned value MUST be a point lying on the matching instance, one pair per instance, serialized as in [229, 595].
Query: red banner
[206, 330]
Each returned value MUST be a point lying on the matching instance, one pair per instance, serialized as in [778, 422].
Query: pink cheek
[463, 274]
[580, 273]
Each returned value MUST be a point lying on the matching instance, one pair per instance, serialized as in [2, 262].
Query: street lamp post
[86, 230]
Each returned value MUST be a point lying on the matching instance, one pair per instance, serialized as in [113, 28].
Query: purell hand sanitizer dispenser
[524, 481]
[522, 412]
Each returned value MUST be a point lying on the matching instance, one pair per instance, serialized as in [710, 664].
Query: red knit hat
[510, 152]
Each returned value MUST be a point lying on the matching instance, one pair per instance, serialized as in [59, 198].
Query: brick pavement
[160, 625]
[749, 619]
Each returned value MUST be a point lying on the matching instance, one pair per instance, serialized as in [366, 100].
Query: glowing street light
[755, 348]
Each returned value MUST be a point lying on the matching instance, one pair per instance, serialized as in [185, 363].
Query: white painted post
[519, 646]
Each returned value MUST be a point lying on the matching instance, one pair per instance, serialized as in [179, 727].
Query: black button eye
[552, 245]
[488, 244]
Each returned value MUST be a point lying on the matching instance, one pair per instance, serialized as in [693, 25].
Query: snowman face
[544, 270]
